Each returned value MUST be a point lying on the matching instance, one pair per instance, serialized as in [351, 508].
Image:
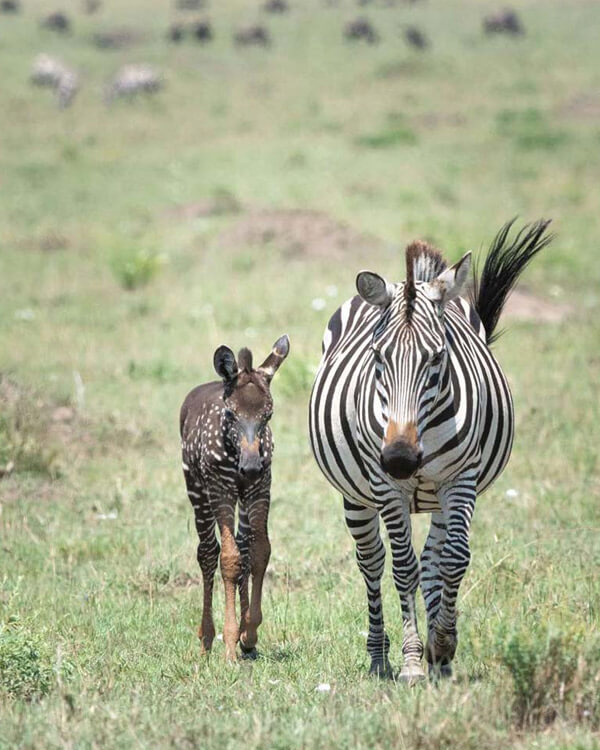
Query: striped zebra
[411, 413]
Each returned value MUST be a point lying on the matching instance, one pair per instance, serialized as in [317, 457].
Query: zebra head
[248, 405]
[410, 350]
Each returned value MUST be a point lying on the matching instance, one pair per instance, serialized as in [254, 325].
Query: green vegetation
[101, 341]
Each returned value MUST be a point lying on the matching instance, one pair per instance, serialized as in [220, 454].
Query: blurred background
[179, 174]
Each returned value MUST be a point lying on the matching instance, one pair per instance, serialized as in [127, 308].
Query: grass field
[187, 197]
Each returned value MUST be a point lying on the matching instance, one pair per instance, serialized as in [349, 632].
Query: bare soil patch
[524, 305]
[298, 234]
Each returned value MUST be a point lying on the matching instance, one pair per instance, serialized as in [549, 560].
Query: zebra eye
[437, 357]
[376, 353]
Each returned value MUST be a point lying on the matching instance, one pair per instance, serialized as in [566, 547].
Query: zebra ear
[225, 364]
[450, 283]
[281, 349]
[374, 289]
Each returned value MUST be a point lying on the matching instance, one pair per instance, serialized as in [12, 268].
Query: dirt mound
[297, 233]
[523, 305]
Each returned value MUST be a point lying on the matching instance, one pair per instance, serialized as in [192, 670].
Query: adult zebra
[411, 413]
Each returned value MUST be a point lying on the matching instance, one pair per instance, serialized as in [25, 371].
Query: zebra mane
[423, 263]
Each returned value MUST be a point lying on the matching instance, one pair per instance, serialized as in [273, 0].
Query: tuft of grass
[396, 132]
[529, 129]
[553, 674]
[137, 268]
[27, 669]
[26, 444]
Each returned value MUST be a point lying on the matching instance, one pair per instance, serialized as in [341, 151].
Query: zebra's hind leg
[363, 524]
[396, 516]
[458, 503]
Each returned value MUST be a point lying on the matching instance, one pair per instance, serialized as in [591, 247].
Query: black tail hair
[502, 268]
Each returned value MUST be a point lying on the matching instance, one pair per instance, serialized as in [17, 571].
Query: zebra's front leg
[231, 568]
[431, 583]
[259, 553]
[396, 516]
[458, 502]
[363, 524]
[242, 539]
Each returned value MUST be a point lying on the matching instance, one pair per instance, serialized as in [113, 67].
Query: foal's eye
[437, 357]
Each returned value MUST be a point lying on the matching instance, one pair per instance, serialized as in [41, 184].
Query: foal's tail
[504, 263]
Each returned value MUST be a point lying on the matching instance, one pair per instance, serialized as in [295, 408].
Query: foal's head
[248, 405]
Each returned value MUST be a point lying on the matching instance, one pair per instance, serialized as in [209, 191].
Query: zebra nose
[251, 467]
[400, 458]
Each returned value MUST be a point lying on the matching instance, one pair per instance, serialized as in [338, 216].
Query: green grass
[99, 602]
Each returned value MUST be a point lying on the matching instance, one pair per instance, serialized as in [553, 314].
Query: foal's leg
[208, 556]
[363, 524]
[396, 516]
[242, 539]
[458, 502]
[260, 552]
[231, 568]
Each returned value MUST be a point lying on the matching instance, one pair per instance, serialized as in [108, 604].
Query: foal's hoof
[248, 654]
[382, 670]
[440, 672]
[411, 675]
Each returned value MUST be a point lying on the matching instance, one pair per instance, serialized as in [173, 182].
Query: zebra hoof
[411, 675]
[382, 670]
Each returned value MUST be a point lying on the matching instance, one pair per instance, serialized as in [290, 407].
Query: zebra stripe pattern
[411, 413]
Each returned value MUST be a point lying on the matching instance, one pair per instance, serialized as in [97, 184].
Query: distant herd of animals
[409, 413]
[134, 79]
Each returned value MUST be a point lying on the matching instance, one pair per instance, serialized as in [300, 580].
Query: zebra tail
[503, 265]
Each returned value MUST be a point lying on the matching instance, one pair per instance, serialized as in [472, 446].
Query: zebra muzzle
[401, 458]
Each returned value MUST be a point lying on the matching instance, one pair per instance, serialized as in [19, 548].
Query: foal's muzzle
[401, 458]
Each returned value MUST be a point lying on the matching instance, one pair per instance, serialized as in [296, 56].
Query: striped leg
[260, 552]
[208, 556]
[431, 584]
[458, 503]
[242, 539]
[231, 568]
[363, 524]
[396, 516]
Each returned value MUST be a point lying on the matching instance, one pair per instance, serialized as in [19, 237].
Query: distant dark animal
[227, 447]
[503, 22]
[10, 6]
[411, 413]
[202, 31]
[57, 22]
[252, 35]
[415, 37]
[276, 6]
[361, 29]
[91, 6]
[134, 79]
[52, 73]
[119, 38]
[176, 32]
[190, 4]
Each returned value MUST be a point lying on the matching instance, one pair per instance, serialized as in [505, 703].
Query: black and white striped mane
[423, 263]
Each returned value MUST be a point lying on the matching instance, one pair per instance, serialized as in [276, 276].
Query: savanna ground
[136, 238]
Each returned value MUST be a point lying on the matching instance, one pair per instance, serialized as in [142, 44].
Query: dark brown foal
[227, 447]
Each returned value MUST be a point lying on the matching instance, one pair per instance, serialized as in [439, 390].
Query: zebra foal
[227, 447]
[411, 413]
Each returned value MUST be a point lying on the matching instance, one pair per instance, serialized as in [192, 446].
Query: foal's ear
[281, 349]
[225, 364]
[450, 283]
[374, 289]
